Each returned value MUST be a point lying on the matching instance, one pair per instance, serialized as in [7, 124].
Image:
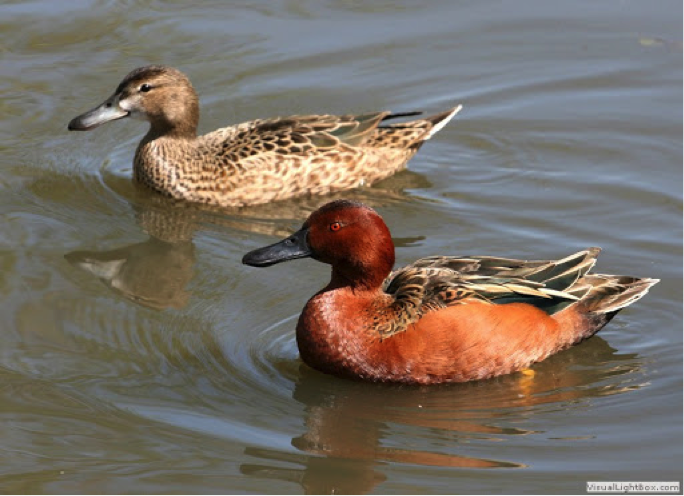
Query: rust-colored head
[348, 235]
[161, 95]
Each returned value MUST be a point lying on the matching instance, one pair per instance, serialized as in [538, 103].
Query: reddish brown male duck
[443, 318]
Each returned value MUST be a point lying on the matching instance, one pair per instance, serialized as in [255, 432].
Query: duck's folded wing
[293, 135]
[437, 282]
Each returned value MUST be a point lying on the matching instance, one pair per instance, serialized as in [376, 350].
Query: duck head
[348, 235]
[161, 95]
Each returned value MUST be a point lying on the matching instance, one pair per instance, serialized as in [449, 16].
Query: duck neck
[369, 266]
[359, 279]
[178, 131]
[175, 120]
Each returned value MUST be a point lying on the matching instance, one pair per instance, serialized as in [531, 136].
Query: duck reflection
[153, 273]
[353, 429]
[156, 273]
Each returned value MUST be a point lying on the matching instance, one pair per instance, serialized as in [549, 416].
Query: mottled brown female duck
[440, 319]
[258, 161]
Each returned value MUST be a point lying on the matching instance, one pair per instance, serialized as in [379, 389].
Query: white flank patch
[438, 127]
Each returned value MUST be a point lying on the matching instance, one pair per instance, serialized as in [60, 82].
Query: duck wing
[292, 135]
[437, 282]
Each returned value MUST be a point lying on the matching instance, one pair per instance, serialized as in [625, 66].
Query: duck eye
[335, 226]
[145, 87]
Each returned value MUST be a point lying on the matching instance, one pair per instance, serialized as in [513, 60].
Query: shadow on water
[353, 429]
[156, 273]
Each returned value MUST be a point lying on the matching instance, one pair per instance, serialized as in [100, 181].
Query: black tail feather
[398, 115]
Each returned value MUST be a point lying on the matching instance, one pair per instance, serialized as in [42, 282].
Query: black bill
[296, 246]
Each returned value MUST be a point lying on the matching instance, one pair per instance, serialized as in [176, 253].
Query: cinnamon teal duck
[259, 161]
[442, 318]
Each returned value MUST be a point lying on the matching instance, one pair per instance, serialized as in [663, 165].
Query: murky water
[138, 355]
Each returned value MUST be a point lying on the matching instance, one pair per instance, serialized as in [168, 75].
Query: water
[138, 355]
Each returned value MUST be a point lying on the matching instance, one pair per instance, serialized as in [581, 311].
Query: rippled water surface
[138, 355]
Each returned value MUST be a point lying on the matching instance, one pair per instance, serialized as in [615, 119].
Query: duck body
[460, 343]
[258, 161]
[440, 319]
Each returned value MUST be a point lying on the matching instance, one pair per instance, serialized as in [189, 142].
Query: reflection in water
[173, 220]
[156, 273]
[153, 273]
[358, 426]
[320, 475]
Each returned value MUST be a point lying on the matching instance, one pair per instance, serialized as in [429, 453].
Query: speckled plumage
[258, 161]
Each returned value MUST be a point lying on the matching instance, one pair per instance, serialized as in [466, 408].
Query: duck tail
[440, 120]
[409, 136]
[428, 126]
[603, 297]
[610, 294]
